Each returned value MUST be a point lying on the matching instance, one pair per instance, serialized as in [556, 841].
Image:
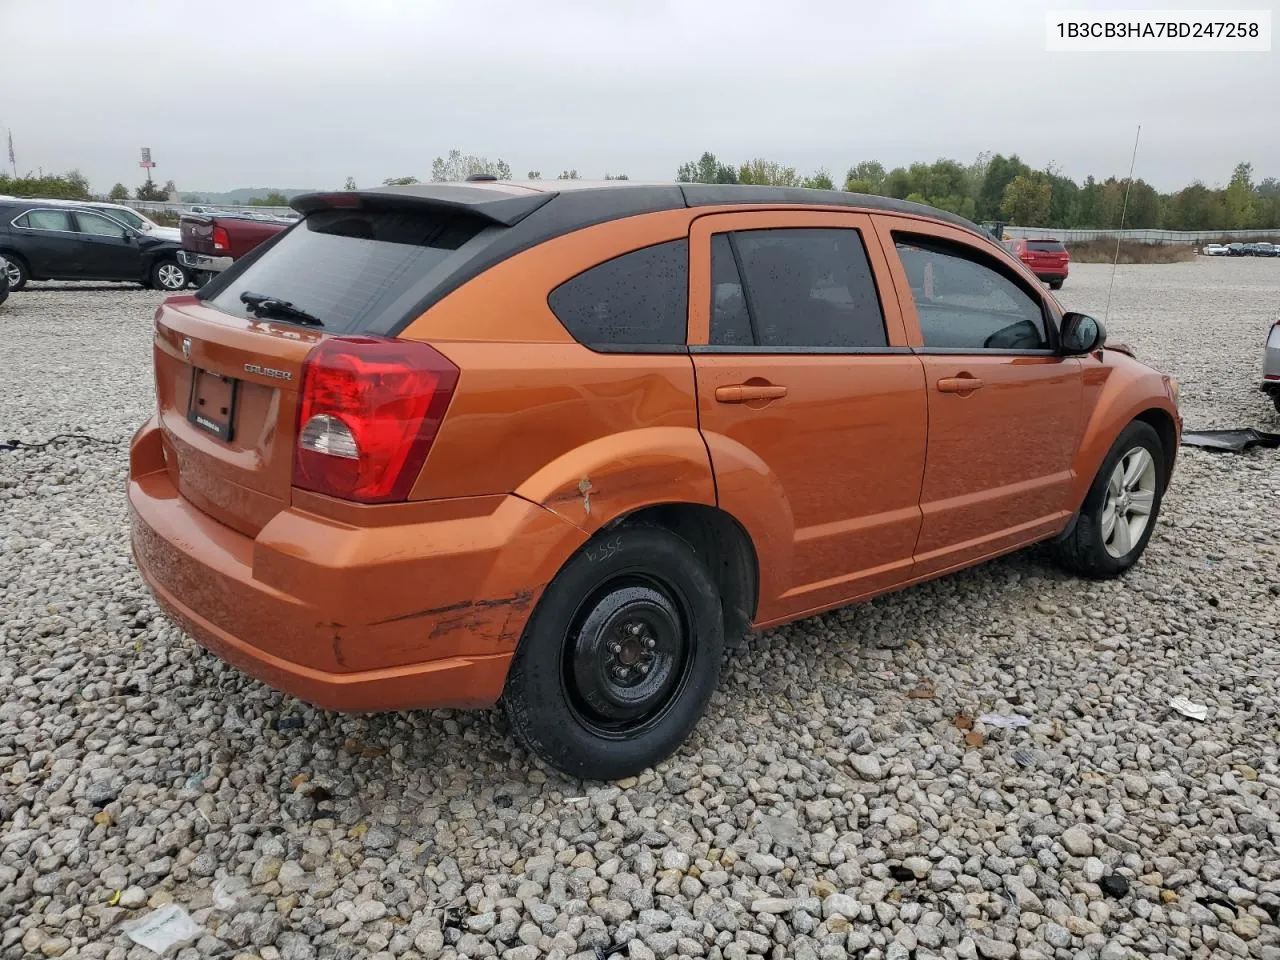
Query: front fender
[1115, 394]
[615, 475]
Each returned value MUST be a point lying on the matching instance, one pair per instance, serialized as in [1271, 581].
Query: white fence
[1142, 236]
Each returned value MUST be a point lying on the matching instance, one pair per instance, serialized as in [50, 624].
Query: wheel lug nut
[636, 628]
[615, 648]
[650, 643]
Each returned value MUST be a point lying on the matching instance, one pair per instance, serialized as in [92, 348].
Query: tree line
[992, 187]
[996, 187]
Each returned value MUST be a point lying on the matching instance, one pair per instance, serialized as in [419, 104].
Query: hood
[166, 233]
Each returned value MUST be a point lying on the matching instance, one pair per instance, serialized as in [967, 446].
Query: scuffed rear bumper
[316, 608]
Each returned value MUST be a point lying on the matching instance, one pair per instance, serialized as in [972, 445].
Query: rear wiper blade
[263, 305]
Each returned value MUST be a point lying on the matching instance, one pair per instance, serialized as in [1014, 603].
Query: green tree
[535, 175]
[1239, 198]
[568, 175]
[821, 180]
[616, 176]
[866, 176]
[274, 198]
[400, 181]
[350, 184]
[149, 191]
[706, 169]
[459, 166]
[1000, 172]
[71, 185]
[119, 192]
[762, 172]
[1026, 199]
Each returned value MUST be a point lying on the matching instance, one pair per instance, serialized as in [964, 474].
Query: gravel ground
[829, 805]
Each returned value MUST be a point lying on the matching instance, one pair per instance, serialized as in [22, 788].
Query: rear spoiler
[497, 206]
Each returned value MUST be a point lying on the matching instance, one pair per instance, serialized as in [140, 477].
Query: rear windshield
[1045, 246]
[356, 270]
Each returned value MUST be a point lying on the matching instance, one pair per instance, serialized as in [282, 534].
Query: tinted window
[964, 302]
[124, 216]
[1045, 246]
[354, 269]
[730, 321]
[46, 220]
[637, 299]
[810, 288]
[98, 226]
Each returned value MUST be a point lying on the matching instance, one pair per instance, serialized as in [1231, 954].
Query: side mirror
[1081, 334]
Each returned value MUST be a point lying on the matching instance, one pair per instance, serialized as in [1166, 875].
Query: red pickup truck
[212, 241]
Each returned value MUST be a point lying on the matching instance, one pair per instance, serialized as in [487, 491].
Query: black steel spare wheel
[629, 657]
[620, 657]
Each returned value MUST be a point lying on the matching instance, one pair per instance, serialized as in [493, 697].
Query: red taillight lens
[221, 239]
[367, 415]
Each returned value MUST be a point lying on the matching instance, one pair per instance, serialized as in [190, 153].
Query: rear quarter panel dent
[618, 474]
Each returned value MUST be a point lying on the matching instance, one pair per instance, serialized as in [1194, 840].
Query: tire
[634, 612]
[169, 276]
[19, 272]
[1056, 284]
[1088, 549]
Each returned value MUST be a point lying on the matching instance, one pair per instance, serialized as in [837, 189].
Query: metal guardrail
[1142, 236]
[164, 206]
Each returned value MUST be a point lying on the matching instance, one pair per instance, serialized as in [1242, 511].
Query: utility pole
[146, 164]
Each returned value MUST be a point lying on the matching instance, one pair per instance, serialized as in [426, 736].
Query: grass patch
[1131, 251]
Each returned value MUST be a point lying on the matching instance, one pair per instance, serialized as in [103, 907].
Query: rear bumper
[1050, 273]
[203, 262]
[317, 608]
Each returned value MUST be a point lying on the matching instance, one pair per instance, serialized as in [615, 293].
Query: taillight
[367, 415]
[221, 239]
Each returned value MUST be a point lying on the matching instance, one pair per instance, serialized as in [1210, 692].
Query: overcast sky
[229, 93]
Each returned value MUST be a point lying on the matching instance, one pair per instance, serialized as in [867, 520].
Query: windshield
[125, 215]
[356, 270]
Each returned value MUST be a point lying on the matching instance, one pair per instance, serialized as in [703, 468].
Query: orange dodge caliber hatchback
[558, 444]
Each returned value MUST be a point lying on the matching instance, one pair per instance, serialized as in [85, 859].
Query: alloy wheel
[171, 276]
[1130, 498]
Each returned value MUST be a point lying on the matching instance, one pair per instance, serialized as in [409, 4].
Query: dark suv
[61, 241]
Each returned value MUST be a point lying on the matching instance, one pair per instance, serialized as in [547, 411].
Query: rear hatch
[228, 379]
[197, 234]
[1045, 254]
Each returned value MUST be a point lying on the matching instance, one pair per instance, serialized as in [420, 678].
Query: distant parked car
[126, 215]
[1047, 259]
[1236, 250]
[1265, 249]
[45, 241]
[211, 242]
[1214, 250]
[1271, 366]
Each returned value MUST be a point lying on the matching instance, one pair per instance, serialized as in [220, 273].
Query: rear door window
[637, 300]
[46, 220]
[965, 302]
[794, 289]
[356, 270]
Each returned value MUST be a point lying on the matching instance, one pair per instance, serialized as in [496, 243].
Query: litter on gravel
[1188, 708]
[163, 929]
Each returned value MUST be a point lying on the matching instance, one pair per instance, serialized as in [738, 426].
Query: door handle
[961, 384]
[743, 392]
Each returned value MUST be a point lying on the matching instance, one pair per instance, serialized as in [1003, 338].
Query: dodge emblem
[186, 347]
